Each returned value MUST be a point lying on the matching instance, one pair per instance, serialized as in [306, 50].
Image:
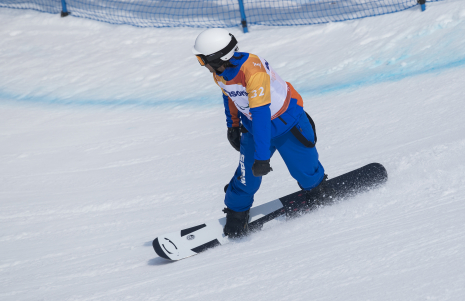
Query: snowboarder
[263, 114]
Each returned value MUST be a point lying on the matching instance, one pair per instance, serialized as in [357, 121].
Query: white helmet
[214, 46]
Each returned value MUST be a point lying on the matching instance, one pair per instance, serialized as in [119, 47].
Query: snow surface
[113, 135]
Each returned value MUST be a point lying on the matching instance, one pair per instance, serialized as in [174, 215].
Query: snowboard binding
[237, 223]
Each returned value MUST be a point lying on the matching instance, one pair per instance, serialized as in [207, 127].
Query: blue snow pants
[302, 163]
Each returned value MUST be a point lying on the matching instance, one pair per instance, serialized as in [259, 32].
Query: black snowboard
[193, 240]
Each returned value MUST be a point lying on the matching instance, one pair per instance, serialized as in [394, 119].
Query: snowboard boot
[237, 223]
[319, 195]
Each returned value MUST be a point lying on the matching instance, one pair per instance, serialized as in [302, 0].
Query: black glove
[261, 167]
[234, 137]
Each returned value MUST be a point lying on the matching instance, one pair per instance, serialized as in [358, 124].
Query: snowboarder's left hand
[261, 167]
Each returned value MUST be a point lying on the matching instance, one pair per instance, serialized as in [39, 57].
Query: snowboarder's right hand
[261, 168]
[234, 137]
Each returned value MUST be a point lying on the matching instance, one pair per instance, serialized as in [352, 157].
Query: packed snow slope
[113, 135]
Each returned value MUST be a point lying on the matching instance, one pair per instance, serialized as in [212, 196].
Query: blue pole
[422, 4]
[243, 18]
[64, 10]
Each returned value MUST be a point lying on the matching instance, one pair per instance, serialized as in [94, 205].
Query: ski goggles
[202, 60]
[214, 63]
